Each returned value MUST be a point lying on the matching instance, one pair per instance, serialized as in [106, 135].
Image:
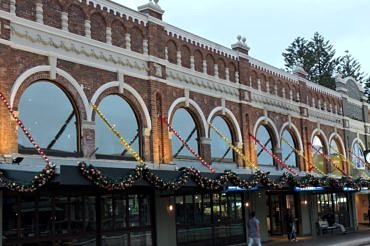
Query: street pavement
[355, 238]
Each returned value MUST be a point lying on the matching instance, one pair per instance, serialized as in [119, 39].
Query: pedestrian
[254, 236]
[292, 229]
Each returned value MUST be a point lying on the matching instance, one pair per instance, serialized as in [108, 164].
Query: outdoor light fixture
[305, 202]
[246, 204]
[367, 156]
[17, 160]
[170, 208]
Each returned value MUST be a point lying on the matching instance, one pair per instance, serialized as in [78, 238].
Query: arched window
[289, 155]
[50, 117]
[220, 150]
[357, 156]
[317, 154]
[120, 115]
[335, 158]
[185, 126]
[263, 135]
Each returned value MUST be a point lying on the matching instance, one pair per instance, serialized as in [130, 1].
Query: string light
[237, 150]
[301, 155]
[187, 145]
[327, 158]
[280, 162]
[46, 173]
[120, 138]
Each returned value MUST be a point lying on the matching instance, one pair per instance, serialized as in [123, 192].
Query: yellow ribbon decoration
[236, 149]
[304, 158]
[121, 139]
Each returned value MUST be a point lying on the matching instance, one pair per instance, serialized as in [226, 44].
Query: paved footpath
[357, 238]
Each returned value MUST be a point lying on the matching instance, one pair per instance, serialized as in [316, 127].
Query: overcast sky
[270, 26]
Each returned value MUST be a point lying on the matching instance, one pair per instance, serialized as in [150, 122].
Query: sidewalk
[356, 238]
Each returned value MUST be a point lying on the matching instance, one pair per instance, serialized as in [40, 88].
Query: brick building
[60, 57]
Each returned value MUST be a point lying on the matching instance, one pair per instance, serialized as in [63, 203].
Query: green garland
[227, 178]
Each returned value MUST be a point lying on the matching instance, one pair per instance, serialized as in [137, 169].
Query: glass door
[275, 217]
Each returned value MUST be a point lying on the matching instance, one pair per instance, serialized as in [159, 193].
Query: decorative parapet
[199, 41]
[120, 10]
[279, 73]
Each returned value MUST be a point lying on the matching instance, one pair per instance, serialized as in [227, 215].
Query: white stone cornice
[77, 47]
[195, 81]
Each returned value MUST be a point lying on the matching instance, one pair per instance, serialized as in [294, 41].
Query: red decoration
[280, 162]
[187, 146]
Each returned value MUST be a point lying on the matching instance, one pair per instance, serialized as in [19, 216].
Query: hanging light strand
[206, 164]
[275, 157]
[236, 149]
[120, 138]
[304, 158]
[360, 159]
[343, 158]
[327, 158]
[25, 131]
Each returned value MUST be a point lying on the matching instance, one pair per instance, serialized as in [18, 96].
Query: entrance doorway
[280, 205]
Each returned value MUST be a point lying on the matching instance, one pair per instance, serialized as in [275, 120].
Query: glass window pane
[335, 158]
[317, 154]
[107, 212]
[48, 114]
[264, 137]
[122, 117]
[220, 150]
[184, 124]
[133, 208]
[289, 156]
[357, 156]
[120, 211]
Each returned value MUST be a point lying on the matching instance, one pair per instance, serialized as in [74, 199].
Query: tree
[315, 56]
[348, 66]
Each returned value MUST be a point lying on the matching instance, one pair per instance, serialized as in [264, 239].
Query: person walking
[292, 229]
[254, 236]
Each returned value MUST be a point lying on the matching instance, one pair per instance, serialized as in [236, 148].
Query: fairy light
[360, 159]
[275, 157]
[48, 171]
[327, 158]
[237, 150]
[187, 146]
[301, 155]
[121, 139]
[343, 158]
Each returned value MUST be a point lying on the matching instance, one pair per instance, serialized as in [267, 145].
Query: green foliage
[316, 56]
[349, 67]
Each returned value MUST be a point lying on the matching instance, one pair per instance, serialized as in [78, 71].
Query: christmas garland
[41, 178]
[223, 180]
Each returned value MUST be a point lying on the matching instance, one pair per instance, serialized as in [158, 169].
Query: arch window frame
[231, 137]
[54, 152]
[125, 155]
[295, 144]
[196, 130]
[260, 150]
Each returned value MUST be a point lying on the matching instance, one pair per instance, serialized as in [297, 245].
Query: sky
[270, 26]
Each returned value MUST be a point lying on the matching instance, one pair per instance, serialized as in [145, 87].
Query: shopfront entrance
[280, 204]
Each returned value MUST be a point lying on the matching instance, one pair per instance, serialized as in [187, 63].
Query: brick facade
[162, 52]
